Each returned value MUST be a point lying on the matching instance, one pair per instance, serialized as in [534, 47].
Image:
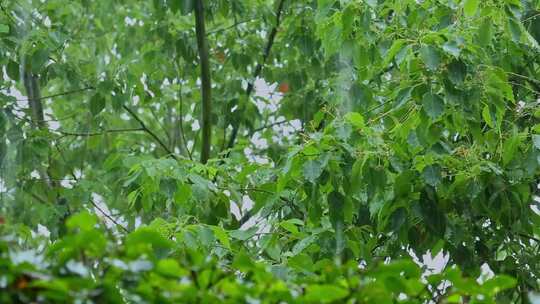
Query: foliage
[399, 127]
[203, 263]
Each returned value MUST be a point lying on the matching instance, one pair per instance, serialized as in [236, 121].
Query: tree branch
[181, 126]
[33, 91]
[180, 115]
[206, 88]
[60, 94]
[109, 217]
[230, 27]
[150, 132]
[532, 238]
[65, 133]
[277, 123]
[245, 218]
[258, 68]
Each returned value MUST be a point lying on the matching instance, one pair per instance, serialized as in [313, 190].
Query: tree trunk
[206, 88]
[31, 85]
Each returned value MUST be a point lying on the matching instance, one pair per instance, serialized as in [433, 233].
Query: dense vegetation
[255, 151]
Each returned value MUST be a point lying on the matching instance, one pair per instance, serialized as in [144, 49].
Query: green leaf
[146, 240]
[485, 33]
[374, 178]
[515, 30]
[355, 119]
[433, 105]
[325, 293]
[404, 95]
[312, 170]
[244, 235]
[83, 221]
[402, 184]
[488, 117]
[303, 244]
[497, 83]
[222, 236]
[360, 95]
[12, 70]
[4, 28]
[39, 60]
[470, 7]
[183, 194]
[457, 71]
[97, 104]
[336, 203]
[171, 268]
[430, 56]
[242, 262]
[499, 283]
[291, 225]
[452, 48]
[347, 19]
[394, 49]
[432, 175]
[510, 148]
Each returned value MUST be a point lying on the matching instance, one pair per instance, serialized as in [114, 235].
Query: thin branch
[60, 94]
[537, 82]
[110, 218]
[33, 91]
[8, 15]
[40, 199]
[230, 27]
[161, 125]
[531, 17]
[65, 133]
[248, 213]
[245, 218]
[31, 84]
[181, 125]
[530, 237]
[259, 67]
[105, 214]
[150, 132]
[206, 80]
[179, 119]
[277, 123]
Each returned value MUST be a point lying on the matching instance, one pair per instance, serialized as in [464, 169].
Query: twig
[230, 27]
[40, 199]
[8, 15]
[65, 133]
[531, 17]
[525, 77]
[245, 218]
[258, 69]
[180, 116]
[105, 214]
[161, 125]
[277, 123]
[150, 132]
[530, 237]
[181, 124]
[60, 94]
[248, 213]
